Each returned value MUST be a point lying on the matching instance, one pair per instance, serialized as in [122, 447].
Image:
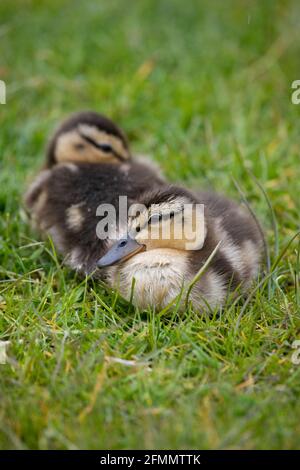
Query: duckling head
[88, 137]
[156, 248]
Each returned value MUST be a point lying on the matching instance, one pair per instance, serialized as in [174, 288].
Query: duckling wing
[235, 219]
[239, 256]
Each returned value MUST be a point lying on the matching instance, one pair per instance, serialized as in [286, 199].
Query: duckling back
[63, 203]
[238, 259]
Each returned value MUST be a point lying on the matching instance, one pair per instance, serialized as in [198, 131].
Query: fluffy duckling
[163, 264]
[88, 164]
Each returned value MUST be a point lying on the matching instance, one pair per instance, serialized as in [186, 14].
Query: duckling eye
[122, 243]
[138, 229]
[105, 148]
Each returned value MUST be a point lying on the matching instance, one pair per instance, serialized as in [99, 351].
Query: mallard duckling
[89, 164]
[163, 266]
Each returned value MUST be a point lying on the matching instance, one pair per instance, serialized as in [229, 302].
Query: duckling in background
[163, 267]
[88, 137]
[88, 164]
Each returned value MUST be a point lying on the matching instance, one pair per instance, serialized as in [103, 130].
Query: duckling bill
[121, 251]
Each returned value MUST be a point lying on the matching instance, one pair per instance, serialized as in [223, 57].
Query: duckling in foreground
[88, 164]
[163, 266]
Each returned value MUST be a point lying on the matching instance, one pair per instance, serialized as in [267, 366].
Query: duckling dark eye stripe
[99, 146]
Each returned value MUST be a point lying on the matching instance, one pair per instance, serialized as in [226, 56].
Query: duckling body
[164, 269]
[88, 164]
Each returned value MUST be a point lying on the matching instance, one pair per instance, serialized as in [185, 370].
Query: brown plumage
[83, 186]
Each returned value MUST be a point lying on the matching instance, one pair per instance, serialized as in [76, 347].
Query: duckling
[89, 163]
[154, 270]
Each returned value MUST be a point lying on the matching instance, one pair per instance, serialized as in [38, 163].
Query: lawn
[205, 88]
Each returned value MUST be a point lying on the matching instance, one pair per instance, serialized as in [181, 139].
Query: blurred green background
[205, 88]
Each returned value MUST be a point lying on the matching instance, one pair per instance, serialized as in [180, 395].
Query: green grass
[205, 87]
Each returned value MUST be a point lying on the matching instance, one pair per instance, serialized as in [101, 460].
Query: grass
[206, 89]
